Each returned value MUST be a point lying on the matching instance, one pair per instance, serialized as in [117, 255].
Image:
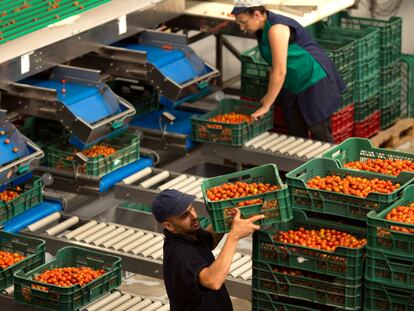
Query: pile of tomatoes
[231, 118]
[403, 214]
[239, 190]
[358, 186]
[98, 150]
[7, 259]
[8, 195]
[323, 239]
[388, 166]
[69, 276]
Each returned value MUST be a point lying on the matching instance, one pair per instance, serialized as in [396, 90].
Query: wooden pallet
[401, 132]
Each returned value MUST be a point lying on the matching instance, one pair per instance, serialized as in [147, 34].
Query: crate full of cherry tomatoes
[74, 278]
[359, 154]
[15, 199]
[314, 245]
[321, 185]
[18, 253]
[254, 191]
[98, 160]
[230, 123]
[309, 287]
[392, 230]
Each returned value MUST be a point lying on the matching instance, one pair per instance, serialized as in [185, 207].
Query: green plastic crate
[390, 114]
[334, 203]
[275, 207]
[389, 55]
[361, 149]
[348, 77]
[407, 85]
[367, 69]
[253, 87]
[31, 196]
[271, 302]
[365, 89]
[382, 297]
[32, 249]
[341, 52]
[62, 156]
[327, 291]
[343, 262]
[253, 64]
[365, 108]
[347, 98]
[390, 74]
[390, 94]
[389, 269]
[203, 130]
[380, 235]
[366, 40]
[54, 297]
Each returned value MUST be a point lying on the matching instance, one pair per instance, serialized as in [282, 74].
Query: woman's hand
[260, 112]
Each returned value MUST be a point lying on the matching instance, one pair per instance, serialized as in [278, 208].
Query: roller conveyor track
[141, 250]
[143, 186]
[288, 152]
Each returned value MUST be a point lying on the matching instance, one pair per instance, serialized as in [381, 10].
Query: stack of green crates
[389, 62]
[366, 73]
[389, 276]
[254, 75]
[407, 85]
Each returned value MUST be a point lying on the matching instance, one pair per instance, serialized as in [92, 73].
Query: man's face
[249, 23]
[186, 223]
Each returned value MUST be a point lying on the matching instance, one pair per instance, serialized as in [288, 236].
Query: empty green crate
[53, 297]
[367, 69]
[384, 239]
[389, 55]
[327, 291]
[347, 98]
[365, 89]
[253, 65]
[366, 40]
[390, 74]
[361, 149]
[341, 52]
[203, 130]
[344, 262]
[390, 94]
[365, 108]
[383, 297]
[407, 85]
[31, 196]
[390, 115]
[335, 203]
[389, 268]
[348, 77]
[253, 87]
[64, 156]
[275, 207]
[32, 249]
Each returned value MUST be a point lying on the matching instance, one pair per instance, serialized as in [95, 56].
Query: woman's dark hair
[251, 10]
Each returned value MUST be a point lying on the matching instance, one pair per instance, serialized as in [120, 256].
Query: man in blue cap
[194, 279]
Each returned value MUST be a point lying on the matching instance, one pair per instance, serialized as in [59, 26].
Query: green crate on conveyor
[253, 65]
[341, 52]
[382, 235]
[336, 203]
[54, 297]
[64, 156]
[205, 130]
[389, 268]
[20, 18]
[366, 40]
[390, 94]
[364, 109]
[30, 195]
[383, 297]
[253, 87]
[361, 149]
[32, 249]
[390, 114]
[274, 205]
[365, 89]
[407, 85]
[316, 288]
[346, 263]
[390, 74]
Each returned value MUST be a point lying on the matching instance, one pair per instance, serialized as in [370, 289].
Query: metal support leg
[219, 58]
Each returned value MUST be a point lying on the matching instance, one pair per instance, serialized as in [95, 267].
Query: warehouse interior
[105, 105]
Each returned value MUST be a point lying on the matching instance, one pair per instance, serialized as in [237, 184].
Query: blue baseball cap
[241, 6]
[170, 202]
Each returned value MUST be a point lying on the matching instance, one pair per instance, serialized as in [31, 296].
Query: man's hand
[242, 228]
[260, 112]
